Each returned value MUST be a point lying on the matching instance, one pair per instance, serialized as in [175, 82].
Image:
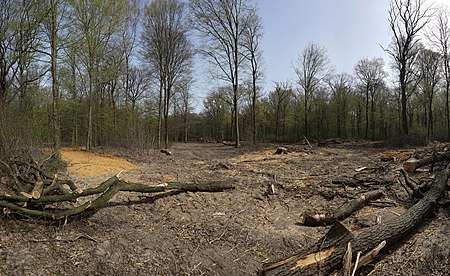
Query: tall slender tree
[252, 43]
[440, 38]
[406, 19]
[311, 67]
[55, 93]
[341, 89]
[223, 25]
[167, 49]
[370, 74]
[280, 99]
[429, 64]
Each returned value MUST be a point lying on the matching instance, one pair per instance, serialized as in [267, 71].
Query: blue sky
[349, 29]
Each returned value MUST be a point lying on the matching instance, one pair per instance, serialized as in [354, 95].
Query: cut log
[412, 164]
[166, 152]
[328, 142]
[343, 212]
[323, 257]
[37, 190]
[281, 150]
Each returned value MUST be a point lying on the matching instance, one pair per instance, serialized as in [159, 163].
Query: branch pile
[36, 193]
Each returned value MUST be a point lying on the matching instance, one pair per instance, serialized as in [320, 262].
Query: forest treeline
[121, 73]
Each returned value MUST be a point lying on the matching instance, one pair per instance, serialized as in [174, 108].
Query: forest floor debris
[232, 232]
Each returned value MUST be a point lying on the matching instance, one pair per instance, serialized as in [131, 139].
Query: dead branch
[416, 191]
[307, 141]
[35, 188]
[343, 212]
[327, 254]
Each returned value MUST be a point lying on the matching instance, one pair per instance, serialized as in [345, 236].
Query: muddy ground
[226, 233]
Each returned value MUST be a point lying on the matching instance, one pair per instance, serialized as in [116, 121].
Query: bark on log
[327, 254]
[413, 164]
[342, 212]
[106, 191]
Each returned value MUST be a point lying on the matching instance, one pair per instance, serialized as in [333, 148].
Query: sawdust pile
[89, 164]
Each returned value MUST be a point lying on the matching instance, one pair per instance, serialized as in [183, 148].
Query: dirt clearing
[226, 233]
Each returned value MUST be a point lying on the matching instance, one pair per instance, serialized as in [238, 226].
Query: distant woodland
[121, 73]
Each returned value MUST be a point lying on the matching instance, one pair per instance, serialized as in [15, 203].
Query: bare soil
[84, 163]
[227, 233]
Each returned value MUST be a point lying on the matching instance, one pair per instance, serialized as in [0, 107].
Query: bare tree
[406, 19]
[20, 46]
[428, 65]
[371, 74]
[222, 24]
[311, 67]
[53, 23]
[253, 36]
[129, 35]
[138, 84]
[167, 49]
[55, 93]
[216, 113]
[280, 99]
[440, 37]
[341, 88]
[185, 103]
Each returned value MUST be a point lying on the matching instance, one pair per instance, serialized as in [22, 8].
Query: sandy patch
[89, 164]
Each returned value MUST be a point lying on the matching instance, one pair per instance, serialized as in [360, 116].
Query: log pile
[36, 193]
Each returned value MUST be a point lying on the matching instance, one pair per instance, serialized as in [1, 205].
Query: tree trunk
[327, 254]
[55, 93]
[366, 133]
[404, 113]
[185, 126]
[447, 108]
[306, 115]
[160, 107]
[412, 164]
[343, 212]
[254, 110]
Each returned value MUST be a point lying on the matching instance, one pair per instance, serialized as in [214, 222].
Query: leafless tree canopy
[371, 75]
[311, 67]
[224, 27]
[407, 18]
[168, 50]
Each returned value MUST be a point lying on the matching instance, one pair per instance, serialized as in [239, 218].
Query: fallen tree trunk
[342, 212]
[327, 254]
[106, 191]
[413, 164]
